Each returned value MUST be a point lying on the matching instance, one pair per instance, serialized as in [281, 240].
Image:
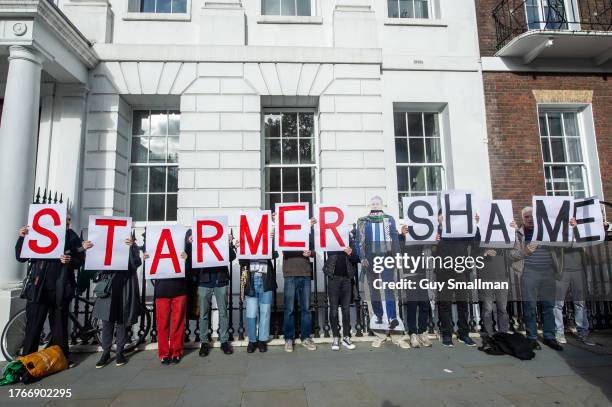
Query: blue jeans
[574, 280]
[412, 316]
[539, 285]
[388, 275]
[258, 305]
[301, 286]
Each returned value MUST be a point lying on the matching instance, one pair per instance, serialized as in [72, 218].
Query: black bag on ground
[503, 343]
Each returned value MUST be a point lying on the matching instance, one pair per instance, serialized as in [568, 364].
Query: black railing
[514, 17]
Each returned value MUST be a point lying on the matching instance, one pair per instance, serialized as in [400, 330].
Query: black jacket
[216, 275]
[65, 283]
[351, 261]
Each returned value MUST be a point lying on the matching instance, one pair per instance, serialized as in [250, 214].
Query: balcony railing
[515, 17]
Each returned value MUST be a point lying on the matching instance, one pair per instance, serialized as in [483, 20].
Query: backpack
[503, 343]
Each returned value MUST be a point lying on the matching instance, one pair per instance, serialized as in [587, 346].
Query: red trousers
[170, 309]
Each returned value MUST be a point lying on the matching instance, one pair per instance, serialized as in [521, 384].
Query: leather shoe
[553, 344]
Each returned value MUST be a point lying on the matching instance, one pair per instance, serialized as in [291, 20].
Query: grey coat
[131, 292]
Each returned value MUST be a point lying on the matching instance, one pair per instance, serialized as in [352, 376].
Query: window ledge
[417, 22]
[156, 16]
[289, 19]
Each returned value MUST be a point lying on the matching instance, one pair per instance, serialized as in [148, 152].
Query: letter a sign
[164, 246]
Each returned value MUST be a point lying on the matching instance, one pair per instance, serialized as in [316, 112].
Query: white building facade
[167, 109]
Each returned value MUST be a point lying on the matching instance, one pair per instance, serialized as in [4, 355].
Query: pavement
[387, 377]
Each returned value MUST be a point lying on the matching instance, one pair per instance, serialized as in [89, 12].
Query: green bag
[12, 373]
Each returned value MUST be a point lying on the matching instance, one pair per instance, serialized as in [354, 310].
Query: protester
[170, 313]
[539, 267]
[340, 269]
[48, 290]
[213, 281]
[494, 270]
[297, 271]
[119, 305]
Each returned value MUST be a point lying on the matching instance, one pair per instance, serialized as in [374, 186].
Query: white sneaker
[309, 344]
[378, 342]
[424, 340]
[404, 342]
[347, 343]
[288, 346]
[336, 344]
[561, 339]
[414, 341]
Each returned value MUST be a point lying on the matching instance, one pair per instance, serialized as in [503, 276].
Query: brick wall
[512, 124]
[486, 26]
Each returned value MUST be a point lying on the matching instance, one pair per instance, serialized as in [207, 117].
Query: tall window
[418, 154]
[154, 165]
[409, 8]
[548, 14]
[289, 157]
[287, 7]
[157, 6]
[564, 166]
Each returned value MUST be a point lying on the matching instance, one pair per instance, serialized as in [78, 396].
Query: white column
[17, 153]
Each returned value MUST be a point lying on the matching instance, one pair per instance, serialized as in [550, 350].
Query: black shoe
[251, 347]
[165, 361]
[553, 344]
[176, 360]
[535, 345]
[71, 364]
[120, 360]
[263, 346]
[104, 359]
[378, 321]
[227, 348]
[394, 322]
[204, 349]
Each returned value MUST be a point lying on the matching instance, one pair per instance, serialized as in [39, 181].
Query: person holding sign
[50, 283]
[213, 280]
[537, 266]
[117, 302]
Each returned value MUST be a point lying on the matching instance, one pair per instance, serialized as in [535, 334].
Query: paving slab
[147, 397]
[293, 398]
[339, 393]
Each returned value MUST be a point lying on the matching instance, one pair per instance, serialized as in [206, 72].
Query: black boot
[204, 349]
[227, 348]
[263, 346]
[120, 359]
[535, 345]
[251, 347]
[104, 359]
[553, 344]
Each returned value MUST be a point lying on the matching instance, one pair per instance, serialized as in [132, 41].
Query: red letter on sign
[33, 244]
[201, 240]
[282, 227]
[165, 239]
[110, 236]
[333, 226]
[247, 237]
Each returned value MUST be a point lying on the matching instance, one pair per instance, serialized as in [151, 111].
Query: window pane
[148, 6]
[157, 207]
[432, 147]
[434, 179]
[179, 6]
[291, 198]
[163, 6]
[545, 149]
[157, 180]
[140, 149]
[554, 125]
[303, 8]
[289, 124]
[306, 151]
[307, 198]
[140, 123]
[138, 207]
[174, 124]
[402, 178]
[270, 7]
[573, 149]
[273, 180]
[272, 125]
[139, 179]
[171, 207]
[558, 154]
[401, 150]
[306, 179]
[406, 9]
[421, 9]
[271, 200]
[173, 146]
[571, 124]
[157, 149]
[290, 179]
[273, 151]
[559, 178]
[417, 178]
[306, 124]
[288, 7]
[543, 130]
[392, 8]
[415, 125]
[399, 120]
[431, 125]
[290, 151]
[417, 150]
[159, 123]
[172, 179]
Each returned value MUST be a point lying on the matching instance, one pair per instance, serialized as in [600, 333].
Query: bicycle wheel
[131, 342]
[13, 336]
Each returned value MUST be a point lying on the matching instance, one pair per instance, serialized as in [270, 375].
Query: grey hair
[376, 197]
[525, 210]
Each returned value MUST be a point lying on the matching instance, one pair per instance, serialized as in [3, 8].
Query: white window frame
[316, 179]
[314, 17]
[571, 6]
[148, 16]
[144, 223]
[588, 144]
